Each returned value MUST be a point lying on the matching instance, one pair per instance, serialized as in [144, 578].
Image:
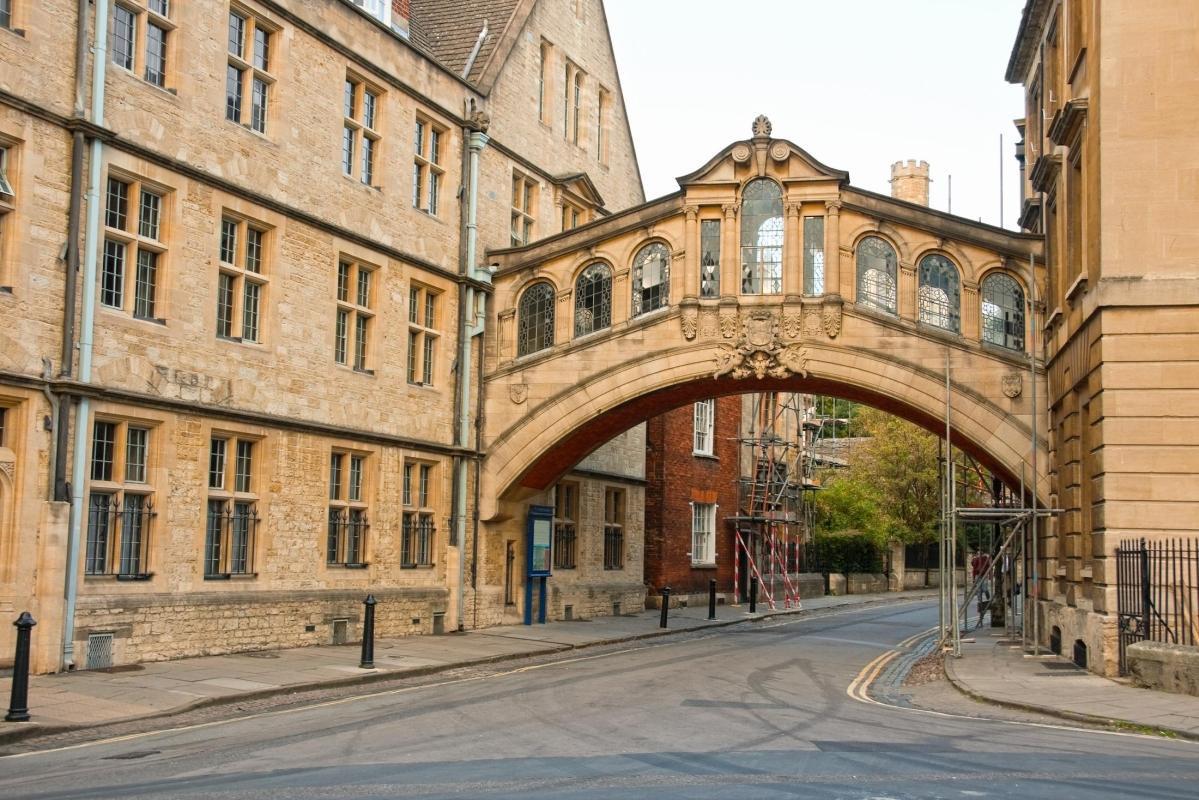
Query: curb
[1073, 716]
[36, 729]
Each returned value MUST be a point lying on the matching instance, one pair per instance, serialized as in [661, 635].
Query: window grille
[1002, 311]
[593, 300]
[876, 274]
[613, 529]
[535, 319]
[99, 651]
[651, 278]
[762, 238]
[566, 516]
[416, 544]
[940, 293]
[231, 531]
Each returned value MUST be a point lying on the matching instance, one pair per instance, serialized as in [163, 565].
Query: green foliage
[891, 491]
[849, 553]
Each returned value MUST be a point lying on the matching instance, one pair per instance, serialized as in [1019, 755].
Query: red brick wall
[401, 8]
[676, 477]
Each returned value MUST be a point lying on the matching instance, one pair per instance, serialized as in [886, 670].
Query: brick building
[235, 283]
[692, 468]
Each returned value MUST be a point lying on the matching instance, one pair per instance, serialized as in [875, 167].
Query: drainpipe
[471, 326]
[83, 410]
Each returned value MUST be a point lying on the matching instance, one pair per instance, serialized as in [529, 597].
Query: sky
[859, 84]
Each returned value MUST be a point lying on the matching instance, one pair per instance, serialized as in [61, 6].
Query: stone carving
[690, 322]
[779, 151]
[812, 324]
[709, 325]
[832, 320]
[741, 153]
[728, 322]
[792, 325]
[518, 392]
[759, 353]
[8, 464]
[762, 126]
[1013, 385]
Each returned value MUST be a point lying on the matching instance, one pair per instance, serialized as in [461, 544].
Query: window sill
[417, 566]
[229, 576]
[703, 565]
[139, 576]
[244, 127]
[560, 566]
[152, 320]
[6, 290]
[351, 565]
[709, 456]
[15, 31]
[613, 569]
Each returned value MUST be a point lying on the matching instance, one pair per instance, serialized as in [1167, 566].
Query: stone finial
[762, 126]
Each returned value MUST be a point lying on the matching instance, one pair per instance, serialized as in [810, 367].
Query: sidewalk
[995, 670]
[90, 698]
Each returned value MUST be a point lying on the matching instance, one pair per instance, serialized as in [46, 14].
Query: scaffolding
[772, 526]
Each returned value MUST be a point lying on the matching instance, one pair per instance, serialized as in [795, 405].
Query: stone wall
[1168, 667]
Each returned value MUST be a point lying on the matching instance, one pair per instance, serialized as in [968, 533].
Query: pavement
[89, 698]
[991, 668]
[996, 669]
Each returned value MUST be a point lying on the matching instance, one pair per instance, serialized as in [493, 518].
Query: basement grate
[99, 651]
[341, 631]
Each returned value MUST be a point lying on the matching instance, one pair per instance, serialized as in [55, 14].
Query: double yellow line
[859, 688]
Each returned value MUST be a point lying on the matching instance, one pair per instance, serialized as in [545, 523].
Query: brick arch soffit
[560, 456]
[889, 234]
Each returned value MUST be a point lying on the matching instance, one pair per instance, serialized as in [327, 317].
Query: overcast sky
[859, 84]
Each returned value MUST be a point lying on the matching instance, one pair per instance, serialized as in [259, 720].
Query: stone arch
[546, 440]
[893, 236]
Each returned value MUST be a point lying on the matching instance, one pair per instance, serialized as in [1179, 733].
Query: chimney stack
[909, 181]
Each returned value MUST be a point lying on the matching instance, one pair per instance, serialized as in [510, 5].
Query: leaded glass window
[813, 255]
[762, 238]
[940, 293]
[535, 319]
[876, 274]
[651, 278]
[709, 258]
[1002, 311]
[593, 300]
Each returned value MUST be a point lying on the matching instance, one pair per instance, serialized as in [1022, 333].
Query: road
[754, 711]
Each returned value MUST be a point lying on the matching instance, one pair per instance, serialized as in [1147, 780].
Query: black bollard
[368, 633]
[712, 599]
[753, 595]
[665, 606]
[18, 704]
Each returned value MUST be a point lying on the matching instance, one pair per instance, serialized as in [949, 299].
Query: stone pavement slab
[993, 669]
[97, 697]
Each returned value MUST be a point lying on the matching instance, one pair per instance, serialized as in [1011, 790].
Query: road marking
[859, 688]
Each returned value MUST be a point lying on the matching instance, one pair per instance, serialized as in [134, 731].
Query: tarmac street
[753, 710]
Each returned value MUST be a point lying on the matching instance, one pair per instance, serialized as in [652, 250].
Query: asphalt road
[753, 711]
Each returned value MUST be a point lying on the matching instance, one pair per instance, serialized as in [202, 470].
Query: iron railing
[1157, 593]
[118, 535]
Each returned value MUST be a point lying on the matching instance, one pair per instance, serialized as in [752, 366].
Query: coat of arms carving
[708, 324]
[518, 392]
[759, 353]
[1013, 385]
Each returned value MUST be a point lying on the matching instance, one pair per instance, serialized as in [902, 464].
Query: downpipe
[86, 331]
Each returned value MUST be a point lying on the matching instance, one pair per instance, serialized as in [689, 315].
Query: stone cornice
[1067, 121]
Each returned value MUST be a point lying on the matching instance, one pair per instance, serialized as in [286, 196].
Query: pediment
[762, 155]
[581, 186]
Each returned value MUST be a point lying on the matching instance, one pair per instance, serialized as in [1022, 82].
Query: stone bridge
[767, 270]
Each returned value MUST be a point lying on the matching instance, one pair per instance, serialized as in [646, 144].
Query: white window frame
[704, 418]
[703, 515]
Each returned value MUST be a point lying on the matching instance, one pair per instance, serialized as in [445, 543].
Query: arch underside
[549, 439]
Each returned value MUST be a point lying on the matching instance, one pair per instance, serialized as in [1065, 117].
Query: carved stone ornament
[832, 320]
[8, 464]
[741, 153]
[518, 392]
[690, 322]
[762, 126]
[759, 353]
[709, 324]
[1013, 385]
[812, 323]
[728, 322]
[779, 151]
[792, 325]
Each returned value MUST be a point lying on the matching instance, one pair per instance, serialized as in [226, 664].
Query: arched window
[876, 274]
[651, 278]
[593, 300]
[940, 293]
[535, 319]
[762, 238]
[1003, 311]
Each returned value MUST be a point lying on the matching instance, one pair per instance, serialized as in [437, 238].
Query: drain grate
[99, 651]
[340, 631]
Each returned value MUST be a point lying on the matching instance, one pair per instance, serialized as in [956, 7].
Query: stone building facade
[1110, 163]
[691, 461]
[248, 263]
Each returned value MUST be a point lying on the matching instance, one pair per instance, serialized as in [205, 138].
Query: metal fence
[1157, 593]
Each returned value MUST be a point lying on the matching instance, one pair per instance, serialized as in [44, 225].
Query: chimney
[909, 181]
[401, 14]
